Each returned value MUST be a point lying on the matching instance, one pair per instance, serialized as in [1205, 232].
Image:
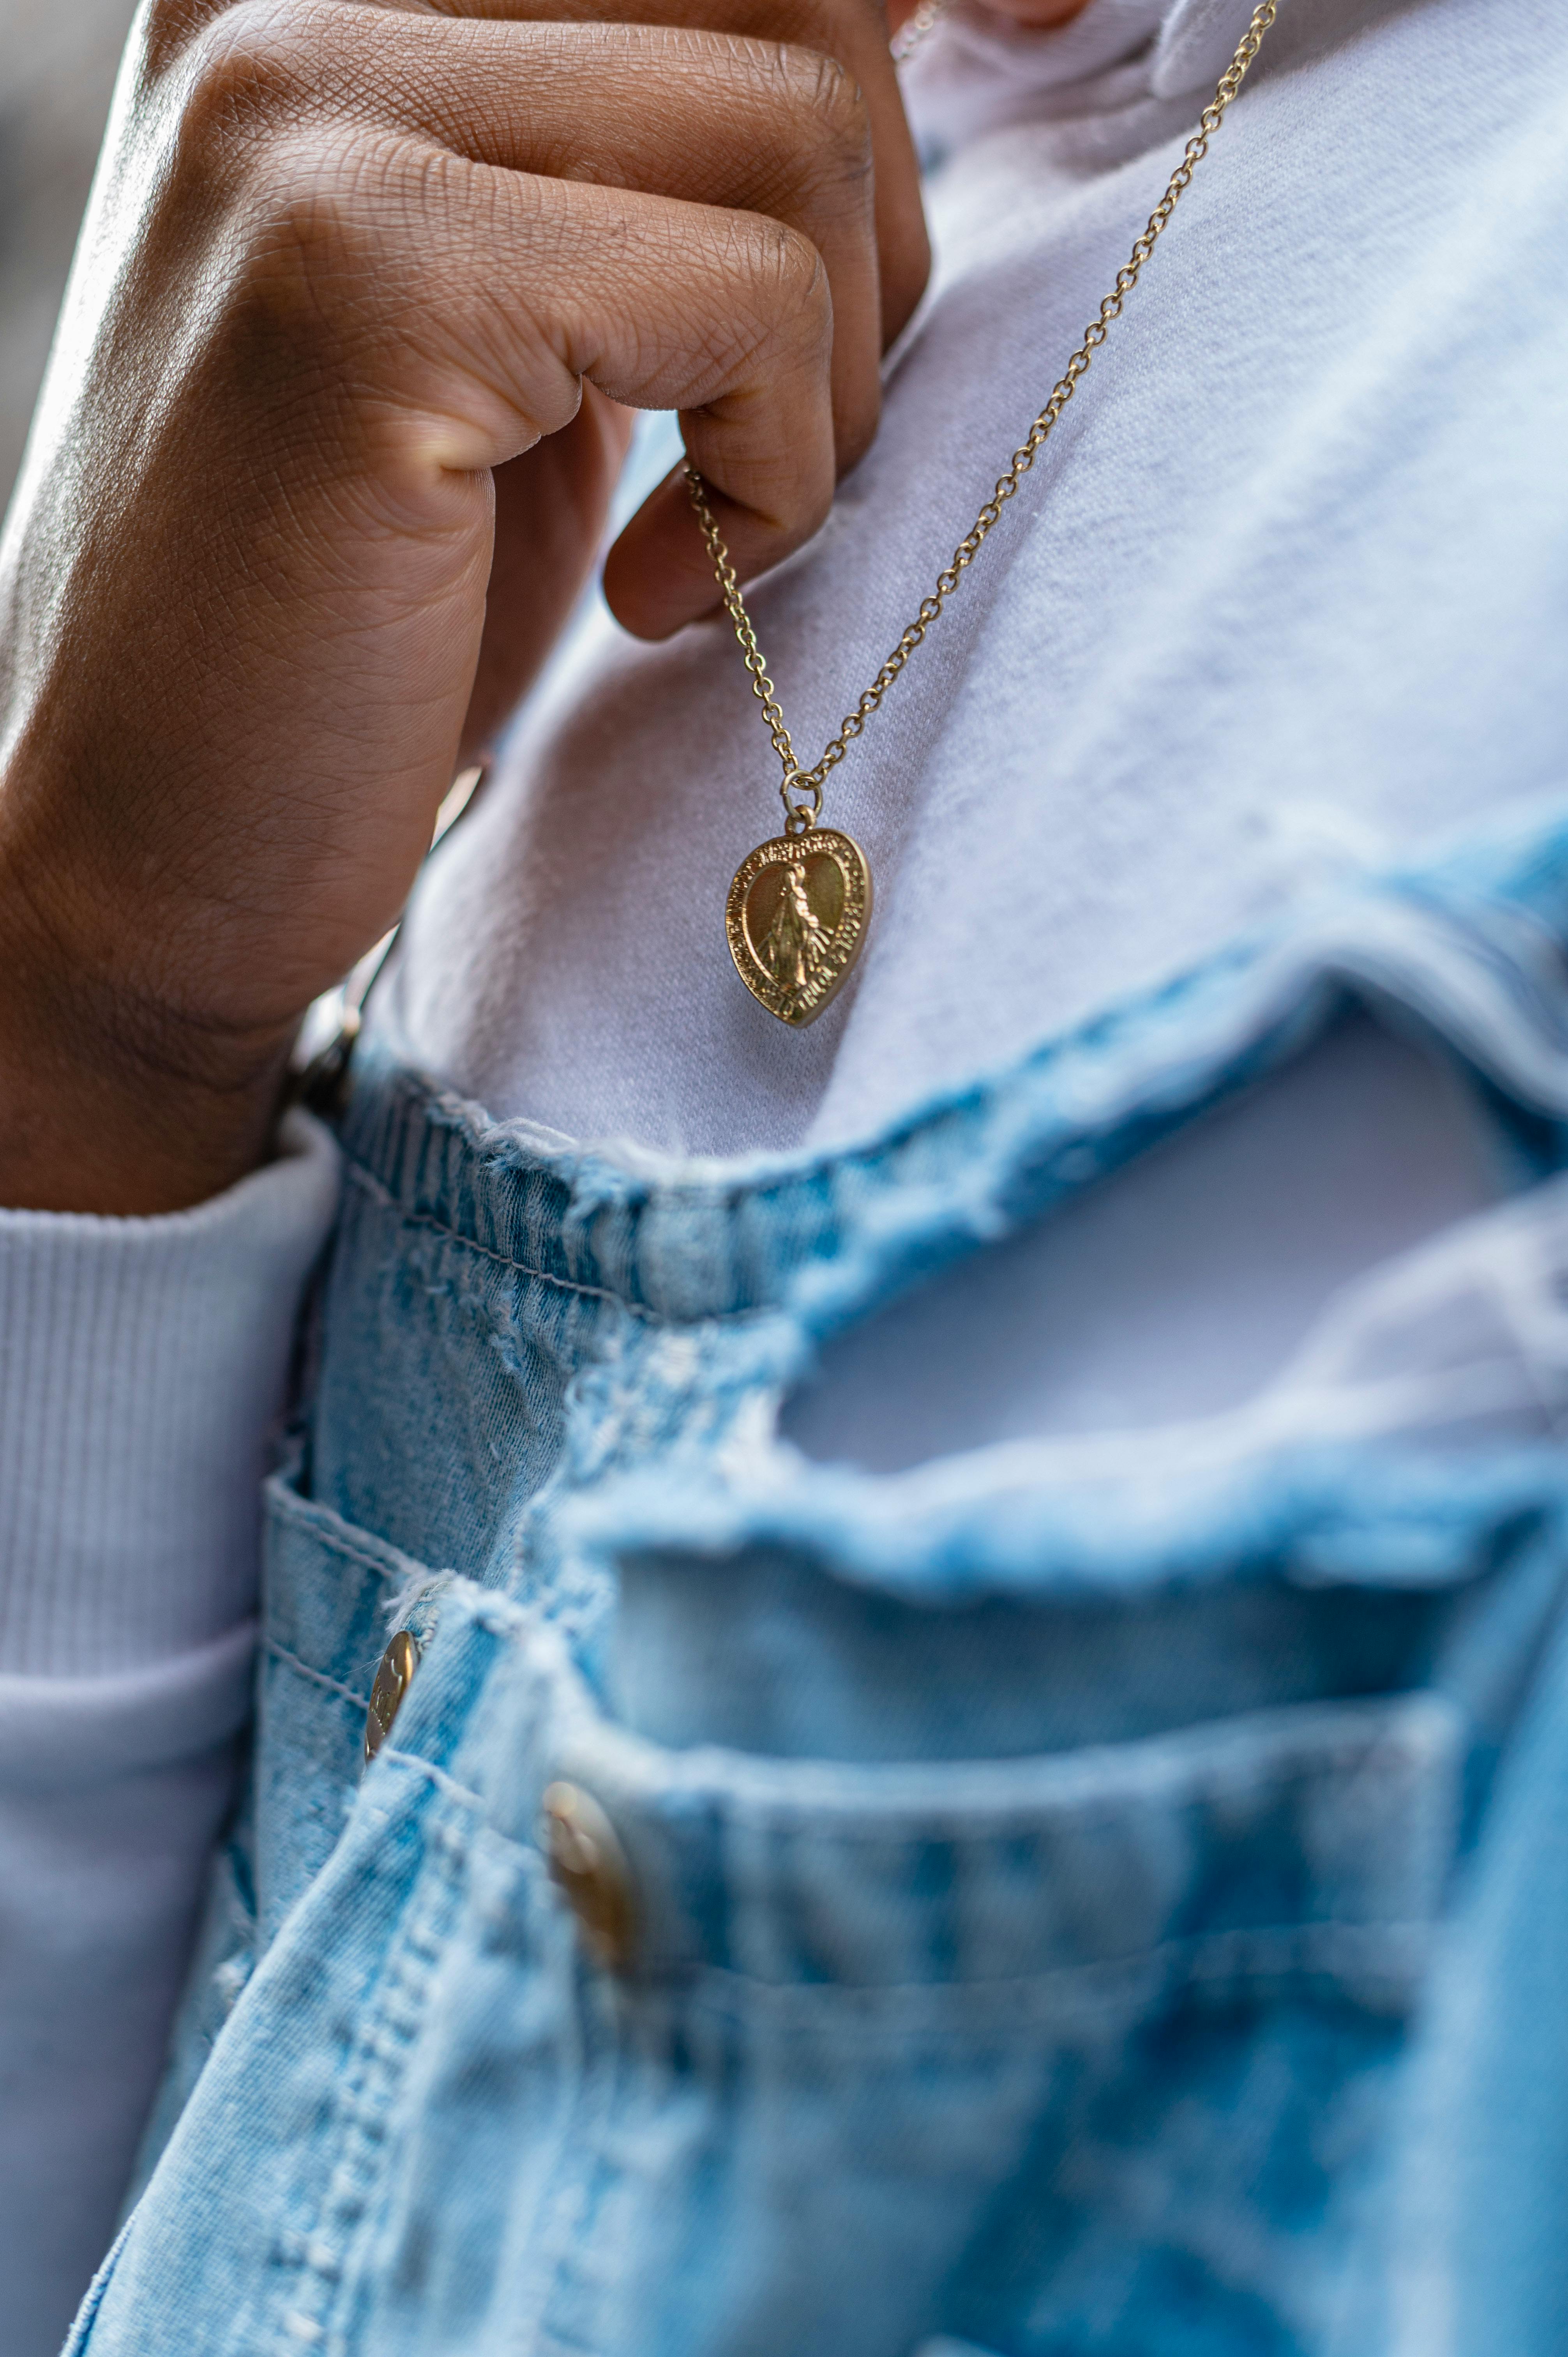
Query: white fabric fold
[61, 1734]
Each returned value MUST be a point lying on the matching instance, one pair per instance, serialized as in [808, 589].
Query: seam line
[281, 1652]
[332, 1544]
[363, 1176]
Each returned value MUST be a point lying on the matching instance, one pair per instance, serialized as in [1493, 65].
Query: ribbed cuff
[143, 1365]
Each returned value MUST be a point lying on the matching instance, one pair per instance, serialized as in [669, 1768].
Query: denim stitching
[1175, 1965]
[362, 1174]
[296, 1510]
[281, 1652]
[471, 1802]
[325, 2276]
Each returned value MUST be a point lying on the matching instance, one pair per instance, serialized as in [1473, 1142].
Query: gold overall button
[393, 1677]
[588, 1865]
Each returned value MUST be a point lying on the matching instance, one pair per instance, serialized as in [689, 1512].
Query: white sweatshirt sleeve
[142, 1365]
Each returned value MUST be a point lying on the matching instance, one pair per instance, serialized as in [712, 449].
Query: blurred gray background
[57, 70]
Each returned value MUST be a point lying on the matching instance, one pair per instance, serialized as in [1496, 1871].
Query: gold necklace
[798, 907]
[912, 33]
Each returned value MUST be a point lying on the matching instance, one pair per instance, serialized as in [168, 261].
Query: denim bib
[1025, 1904]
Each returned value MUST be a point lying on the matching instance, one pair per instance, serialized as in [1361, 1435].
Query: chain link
[913, 32]
[799, 783]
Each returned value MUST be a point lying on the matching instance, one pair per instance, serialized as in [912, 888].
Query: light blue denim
[1066, 1927]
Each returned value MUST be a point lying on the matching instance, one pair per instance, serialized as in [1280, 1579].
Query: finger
[855, 33]
[707, 119]
[477, 315]
[663, 544]
[550, 506]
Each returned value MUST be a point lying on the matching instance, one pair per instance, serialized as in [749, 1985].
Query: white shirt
[1284, 594]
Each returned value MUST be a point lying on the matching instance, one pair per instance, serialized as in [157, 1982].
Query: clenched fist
[323, 459]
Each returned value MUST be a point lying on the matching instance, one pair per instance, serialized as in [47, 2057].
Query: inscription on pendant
[796, 916]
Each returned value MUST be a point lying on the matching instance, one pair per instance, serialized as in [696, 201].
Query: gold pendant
[796, 916]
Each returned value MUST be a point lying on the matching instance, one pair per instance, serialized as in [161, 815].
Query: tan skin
[342, 391]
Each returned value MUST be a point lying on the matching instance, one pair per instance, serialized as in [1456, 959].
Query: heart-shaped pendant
[796, 916]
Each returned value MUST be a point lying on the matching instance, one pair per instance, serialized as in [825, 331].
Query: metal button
[588, 1865]
[394, 1674]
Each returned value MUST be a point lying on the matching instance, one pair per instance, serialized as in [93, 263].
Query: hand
[362, 294]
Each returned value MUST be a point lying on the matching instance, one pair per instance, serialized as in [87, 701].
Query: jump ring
[798, 817]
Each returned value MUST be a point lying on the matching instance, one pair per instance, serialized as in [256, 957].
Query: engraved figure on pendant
[796, 942]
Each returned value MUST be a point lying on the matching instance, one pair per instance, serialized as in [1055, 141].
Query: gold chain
[912, 34]
[800, 814]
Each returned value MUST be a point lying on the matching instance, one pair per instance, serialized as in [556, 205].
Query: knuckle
[265, 139]
[829, 128]
[248, 69]
[167, 26]
[763, 307]
[169, 29]
[823, 91]
[310, 262]
[790, 282]
[840, 106]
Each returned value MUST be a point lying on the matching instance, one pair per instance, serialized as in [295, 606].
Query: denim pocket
[1309, 1842]
[331, 1597]
[1035, 1881]
[1044, 2053]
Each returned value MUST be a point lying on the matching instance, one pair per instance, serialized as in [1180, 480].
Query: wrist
[112, 1103]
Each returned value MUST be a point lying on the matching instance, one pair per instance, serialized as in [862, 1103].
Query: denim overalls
[1057, 1901]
